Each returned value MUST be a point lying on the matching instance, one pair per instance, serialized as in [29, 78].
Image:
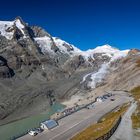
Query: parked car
[33, 132]
[90, 106]
[39, 130]
[108, 95]
[104, 96]
[112, 99]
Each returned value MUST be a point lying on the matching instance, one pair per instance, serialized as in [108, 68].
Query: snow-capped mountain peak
[51, 45]
[7, 28]
[98, 54]
[105, 50]
[65, 47]
[18, 23]
[47, 43]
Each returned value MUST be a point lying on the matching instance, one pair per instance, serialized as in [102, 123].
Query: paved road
[125, 131]
[78, 121]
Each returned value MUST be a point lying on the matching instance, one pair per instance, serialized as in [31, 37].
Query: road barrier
[111, 132]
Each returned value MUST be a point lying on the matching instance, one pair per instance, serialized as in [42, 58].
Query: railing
[111, 132]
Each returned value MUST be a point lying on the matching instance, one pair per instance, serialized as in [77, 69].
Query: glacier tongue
[98, 76]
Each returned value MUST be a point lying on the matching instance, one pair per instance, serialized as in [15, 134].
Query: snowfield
[7, 25]
[45, 44]
[62, 45]
[4, 25]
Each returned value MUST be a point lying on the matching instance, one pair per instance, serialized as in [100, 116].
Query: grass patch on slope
[136, 115]
[106, 123]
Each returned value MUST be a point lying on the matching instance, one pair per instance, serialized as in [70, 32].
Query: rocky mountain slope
[124, 74]
[37, 69]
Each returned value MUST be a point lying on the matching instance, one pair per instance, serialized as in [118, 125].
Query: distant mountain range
[37, 70]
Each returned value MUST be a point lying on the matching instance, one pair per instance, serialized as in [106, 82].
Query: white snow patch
[85, 77]
[43, 67]
[105, 50]
[20, 26]
[45, 44]
[60, 44]
[119, 54]
[87, 55]
[4, 25]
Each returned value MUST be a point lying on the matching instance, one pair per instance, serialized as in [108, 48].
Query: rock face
[5, 70]
[37, 69]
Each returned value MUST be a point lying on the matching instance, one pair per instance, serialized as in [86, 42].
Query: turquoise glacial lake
[9, 130]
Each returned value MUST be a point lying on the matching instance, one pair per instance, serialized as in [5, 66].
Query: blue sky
[84, 23]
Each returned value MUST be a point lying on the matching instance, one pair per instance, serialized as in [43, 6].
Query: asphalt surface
[124, 130]
[75, 123]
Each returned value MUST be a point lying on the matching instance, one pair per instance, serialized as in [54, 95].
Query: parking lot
[78, 121]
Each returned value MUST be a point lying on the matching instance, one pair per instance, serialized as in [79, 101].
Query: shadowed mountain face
[37, 69]
[5, 71]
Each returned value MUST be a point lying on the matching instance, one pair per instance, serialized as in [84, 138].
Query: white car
[33, 132]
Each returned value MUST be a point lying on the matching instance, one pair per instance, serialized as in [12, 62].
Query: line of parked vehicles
[104, 97]
[101, 99]
[49, 124]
